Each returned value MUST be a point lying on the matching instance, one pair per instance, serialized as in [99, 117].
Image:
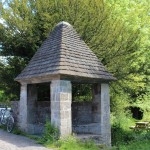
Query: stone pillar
[105, 115]
[96, 108]
[32, 118]
[61, 98]
[32, 99]
[23, 108]
[101, 112]
[96, 104]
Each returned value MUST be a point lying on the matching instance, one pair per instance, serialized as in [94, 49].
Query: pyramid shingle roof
[64, 53]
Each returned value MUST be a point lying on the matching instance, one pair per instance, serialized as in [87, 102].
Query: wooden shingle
[64, 53]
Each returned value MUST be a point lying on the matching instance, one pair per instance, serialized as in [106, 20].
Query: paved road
[10, 141]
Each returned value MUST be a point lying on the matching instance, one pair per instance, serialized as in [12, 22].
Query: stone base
[33, 129]
[37, 129]
[92, 128]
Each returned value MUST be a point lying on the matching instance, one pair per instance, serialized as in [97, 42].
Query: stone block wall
[83, 118]
[81, 113]
[39, 117]
[43, 111]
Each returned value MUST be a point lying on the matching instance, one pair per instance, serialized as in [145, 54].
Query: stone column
[32, 108]
[23, 108]
[61, 98]
[96, 108]
[101, 112]
[105, 115]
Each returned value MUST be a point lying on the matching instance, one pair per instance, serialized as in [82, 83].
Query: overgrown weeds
[51, 139]
[124, 138]
[72, 143]
[51, 134]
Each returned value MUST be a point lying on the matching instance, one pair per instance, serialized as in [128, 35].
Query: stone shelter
[63, 59]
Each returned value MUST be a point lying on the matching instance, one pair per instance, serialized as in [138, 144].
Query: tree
[136, 16]
[105, 26]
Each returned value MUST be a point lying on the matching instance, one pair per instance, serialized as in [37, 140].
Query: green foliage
[51, 134]
[121, 120]
[125, 136]
[19, 132]
[137, 145]
[143, 102]
[71, 143]
[51, 139]
[2, 97]
[117, 33]
[81, 92]
[8, 73]
[120, 136]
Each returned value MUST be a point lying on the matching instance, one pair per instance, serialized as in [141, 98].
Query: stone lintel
[39, 79]
[82, 79]
[72, 78]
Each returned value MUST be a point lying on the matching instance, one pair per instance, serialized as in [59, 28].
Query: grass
[138, 141]
[122, 139]
[71, 143]
[67, 143]
[137, 145]
[51, 139]
[128, 141]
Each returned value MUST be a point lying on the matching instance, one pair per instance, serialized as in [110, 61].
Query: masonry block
[61, 99]
[22, 119]
[105, 115]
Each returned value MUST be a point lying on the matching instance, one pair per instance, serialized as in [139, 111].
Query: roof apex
[63, 23]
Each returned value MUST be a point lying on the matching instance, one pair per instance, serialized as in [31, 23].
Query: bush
[128, 139]
[51, 139]
[137, 145]
[50, 135]
[72, 143]
[119, 135]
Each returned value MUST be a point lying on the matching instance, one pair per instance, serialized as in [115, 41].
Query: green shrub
[125, 139]
[72, 143]
[5, 99]
[51, 139]
[119, 135]
[136, 145]
[50, 135]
